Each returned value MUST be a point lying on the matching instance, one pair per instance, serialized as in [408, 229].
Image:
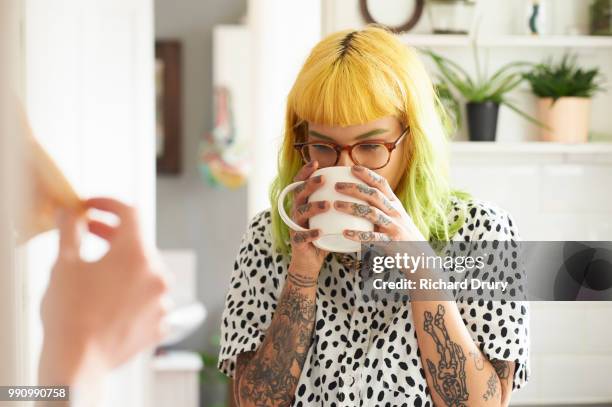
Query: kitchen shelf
[533, 147]
[433, 40]
[508, 41]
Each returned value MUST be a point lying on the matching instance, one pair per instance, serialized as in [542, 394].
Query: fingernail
[358, 168]
[317, 179]
[342, 185]
[314, 233]
[322, 204]
[349, 233]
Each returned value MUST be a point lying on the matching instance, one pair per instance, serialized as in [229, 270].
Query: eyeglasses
[370, 154]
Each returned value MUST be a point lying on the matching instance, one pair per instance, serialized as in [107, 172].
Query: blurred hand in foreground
[97, 315]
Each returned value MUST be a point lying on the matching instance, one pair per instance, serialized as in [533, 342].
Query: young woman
[296, 330]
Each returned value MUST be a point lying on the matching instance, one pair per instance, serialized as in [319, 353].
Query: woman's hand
[306, 259]
[383, 209]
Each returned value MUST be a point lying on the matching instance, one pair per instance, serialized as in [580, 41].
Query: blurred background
[177, 106]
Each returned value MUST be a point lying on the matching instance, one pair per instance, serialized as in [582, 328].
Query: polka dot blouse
[363, 354]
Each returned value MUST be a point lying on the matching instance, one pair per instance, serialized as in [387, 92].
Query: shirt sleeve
[252, 294]
[499, 327]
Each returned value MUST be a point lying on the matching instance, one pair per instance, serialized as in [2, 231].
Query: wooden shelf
[440, 40]
[471, 147]
[508, 41]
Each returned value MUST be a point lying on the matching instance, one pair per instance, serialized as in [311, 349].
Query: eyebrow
[368, 134]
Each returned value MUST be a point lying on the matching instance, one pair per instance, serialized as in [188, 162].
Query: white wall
[554, 197]
[283, 33]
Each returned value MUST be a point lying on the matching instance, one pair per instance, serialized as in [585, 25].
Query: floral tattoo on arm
[272, 375]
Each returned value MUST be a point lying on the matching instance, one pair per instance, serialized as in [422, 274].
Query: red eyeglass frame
[390, 146]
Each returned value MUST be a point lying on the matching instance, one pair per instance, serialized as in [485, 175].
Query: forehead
[389, 123]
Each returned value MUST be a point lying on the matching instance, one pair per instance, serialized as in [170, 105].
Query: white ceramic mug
[331, 222]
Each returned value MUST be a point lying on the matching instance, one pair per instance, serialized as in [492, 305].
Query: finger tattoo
[383, 220]
[376, 178]
[361, 210]
[371, 236]
[301, 237]
[388, 204]
[302, 209]
[299, 189]
[365, 189]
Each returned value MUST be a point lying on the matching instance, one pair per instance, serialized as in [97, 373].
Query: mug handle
[281, 207]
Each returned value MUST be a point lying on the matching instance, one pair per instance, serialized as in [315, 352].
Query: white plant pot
[568, 119]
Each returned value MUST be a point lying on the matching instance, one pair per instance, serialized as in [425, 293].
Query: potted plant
[483, 94]
[564, 91]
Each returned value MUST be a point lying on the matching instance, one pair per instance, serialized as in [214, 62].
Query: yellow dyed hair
[356, 77]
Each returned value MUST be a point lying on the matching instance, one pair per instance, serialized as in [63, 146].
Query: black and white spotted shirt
[363, 354]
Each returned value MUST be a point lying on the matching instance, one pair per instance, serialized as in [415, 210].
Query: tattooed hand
[383, 209]
[306, 259]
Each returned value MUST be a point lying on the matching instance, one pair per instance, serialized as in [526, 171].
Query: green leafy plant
[481, 88]
[563, 79]
[210, 373]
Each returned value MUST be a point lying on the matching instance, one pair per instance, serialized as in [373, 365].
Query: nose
[345, 160]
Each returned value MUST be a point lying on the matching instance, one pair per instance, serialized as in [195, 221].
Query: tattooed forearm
[271, 377]
[242, 362]
[502, 368]
[478, 360]
[300, 280]
[448, 374]
[492, 385]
